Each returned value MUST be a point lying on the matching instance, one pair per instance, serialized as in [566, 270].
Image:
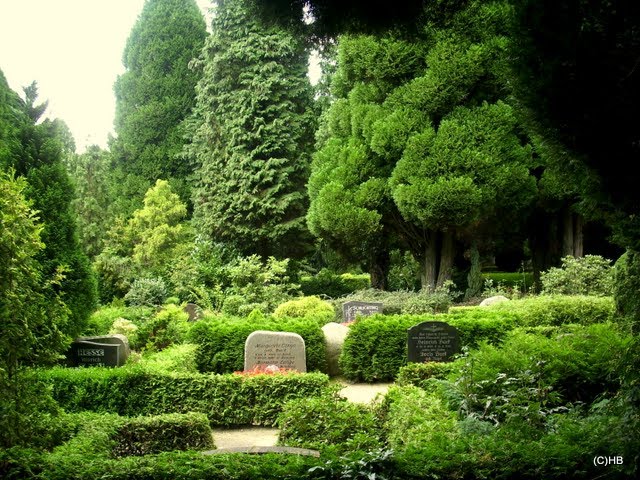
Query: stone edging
[260, 450]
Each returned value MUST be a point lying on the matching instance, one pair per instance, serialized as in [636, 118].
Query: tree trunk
[447, 254]
[428, 262]
[567, 232]
[578, 236]
[379, 270]
[474, 278]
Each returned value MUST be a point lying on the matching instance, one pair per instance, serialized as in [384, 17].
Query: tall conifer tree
[154, 95]
[251, 135]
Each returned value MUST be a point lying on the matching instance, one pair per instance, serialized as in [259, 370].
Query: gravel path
[266, 437]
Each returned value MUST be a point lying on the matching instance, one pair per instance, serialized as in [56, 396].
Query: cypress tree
[251, 135]
[153, 97]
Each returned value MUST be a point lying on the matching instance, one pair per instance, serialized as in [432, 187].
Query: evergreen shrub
[163, 433]
[101, 321]
[333, 285]
[221, 340]
[627, 289]
[306, 306]
[329, 421]
[588, 275]
[376, 347]
[167, 327]
[149, 292]
[226, 399]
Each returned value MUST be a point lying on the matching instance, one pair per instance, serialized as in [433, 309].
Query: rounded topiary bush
[588, 275]
[147, 292]
[306, 307]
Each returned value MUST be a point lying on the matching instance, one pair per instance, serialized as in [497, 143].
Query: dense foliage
[250, 135]
[154, 96]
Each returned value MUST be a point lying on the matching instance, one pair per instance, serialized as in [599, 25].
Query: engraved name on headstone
[103, 351]
[352, 309]
[282, 349]
[432, 342]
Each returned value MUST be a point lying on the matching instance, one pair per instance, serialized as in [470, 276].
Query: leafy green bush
[102, 319]
[588, 275]
[149, 292]
[376, 346]
[557, 310]
[531, 375]
[255, 285]
[225, 399]
[163, 433]
[221, 340]
[430, 441]
[328, 421]
[167, 327]
[419, 373]
[332, 285]
[306, 306]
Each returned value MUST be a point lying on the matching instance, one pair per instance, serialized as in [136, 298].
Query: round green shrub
[306, 307]
[147, 292]
[588, 275]
[169, 326]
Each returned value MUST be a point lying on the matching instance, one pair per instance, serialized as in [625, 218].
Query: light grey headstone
[282, 349]
[352, 309]
[334, 335]
[492, 300]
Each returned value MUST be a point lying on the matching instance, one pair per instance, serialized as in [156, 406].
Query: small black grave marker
[432, 342]
[103, 351]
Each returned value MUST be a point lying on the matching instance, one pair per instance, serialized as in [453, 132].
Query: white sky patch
[73, 50]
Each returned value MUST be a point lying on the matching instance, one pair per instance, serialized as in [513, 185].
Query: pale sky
[73, 49]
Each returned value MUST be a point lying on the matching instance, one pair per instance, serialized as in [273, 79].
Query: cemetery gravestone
[194, 311]
[103, 351]
[282, 349]
[432, 342]
[351, 309]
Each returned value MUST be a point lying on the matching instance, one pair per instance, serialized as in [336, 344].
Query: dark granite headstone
[103, 351]
[351, 309]
[432, 342]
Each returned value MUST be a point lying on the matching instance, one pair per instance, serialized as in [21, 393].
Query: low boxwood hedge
[376, 347]
[221, 341]
[163, 433]
[227, 400]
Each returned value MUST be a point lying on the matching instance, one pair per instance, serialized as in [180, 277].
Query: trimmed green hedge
[333, 285]
[221, 341]
[163, 433]
[376, 347]
[226, 399]
[68, 463]
[551, 310]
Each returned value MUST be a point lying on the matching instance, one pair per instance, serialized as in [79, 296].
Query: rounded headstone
[492, 300]
[264, 348]
[334, 335]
